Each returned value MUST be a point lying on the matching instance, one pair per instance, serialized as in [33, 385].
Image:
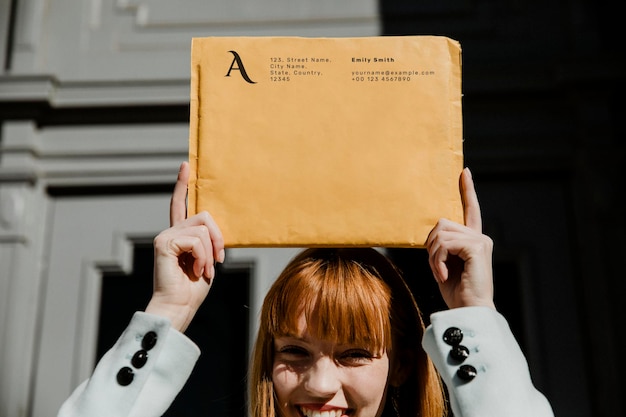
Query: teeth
[315, 413]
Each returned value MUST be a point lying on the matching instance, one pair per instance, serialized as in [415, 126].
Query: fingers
[445, 230]
[178, 203]
[192, 253]
[460, 255]
[215, 236]
[197, 242]
[446, 240]
[178, 214]
[471, 207]
[211, 248]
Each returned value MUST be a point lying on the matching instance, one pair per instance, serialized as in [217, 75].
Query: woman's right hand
[184, 259]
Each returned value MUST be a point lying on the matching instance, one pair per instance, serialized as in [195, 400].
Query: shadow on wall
[542, 104]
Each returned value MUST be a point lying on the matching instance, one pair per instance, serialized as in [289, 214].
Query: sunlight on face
[312, 376]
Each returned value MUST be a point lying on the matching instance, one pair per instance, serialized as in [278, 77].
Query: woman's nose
[323, 378]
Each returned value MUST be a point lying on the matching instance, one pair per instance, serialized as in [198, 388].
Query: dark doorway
[217, 386]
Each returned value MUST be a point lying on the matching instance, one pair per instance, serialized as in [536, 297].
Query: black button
[466, 372]
[459, 353]
[453, 336]
[149, 340]
[125, 376]
[139, 359]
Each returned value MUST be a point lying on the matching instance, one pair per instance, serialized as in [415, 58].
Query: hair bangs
[341, 300]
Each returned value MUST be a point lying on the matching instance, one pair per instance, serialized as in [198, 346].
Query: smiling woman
[329, 327]
[340, 333]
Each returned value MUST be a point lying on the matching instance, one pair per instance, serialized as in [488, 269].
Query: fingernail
[442, 274]
[221, 256]
[468, 171]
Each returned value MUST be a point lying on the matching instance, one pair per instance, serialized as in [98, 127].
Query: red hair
[352, 296]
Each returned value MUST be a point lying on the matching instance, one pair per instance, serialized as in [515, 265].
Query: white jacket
[502, 386]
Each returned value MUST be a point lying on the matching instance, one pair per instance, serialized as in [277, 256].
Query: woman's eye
[356, 355]
[292, 351]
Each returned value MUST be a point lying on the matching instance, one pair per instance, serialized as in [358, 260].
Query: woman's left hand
[460, 256]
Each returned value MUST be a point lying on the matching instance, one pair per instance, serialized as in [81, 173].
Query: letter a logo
[239, 67]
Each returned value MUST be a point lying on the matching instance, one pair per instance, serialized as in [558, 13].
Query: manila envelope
[307, 142]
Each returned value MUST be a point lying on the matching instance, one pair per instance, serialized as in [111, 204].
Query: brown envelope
[326, 141]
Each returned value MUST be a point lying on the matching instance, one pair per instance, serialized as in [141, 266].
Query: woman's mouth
[309, 412]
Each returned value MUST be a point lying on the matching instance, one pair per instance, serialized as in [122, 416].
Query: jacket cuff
[482, 364]
[140, 375]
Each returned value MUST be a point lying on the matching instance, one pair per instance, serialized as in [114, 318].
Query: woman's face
[313, 376]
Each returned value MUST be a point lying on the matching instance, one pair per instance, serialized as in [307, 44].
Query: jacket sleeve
[482, 365]
[141, 374]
